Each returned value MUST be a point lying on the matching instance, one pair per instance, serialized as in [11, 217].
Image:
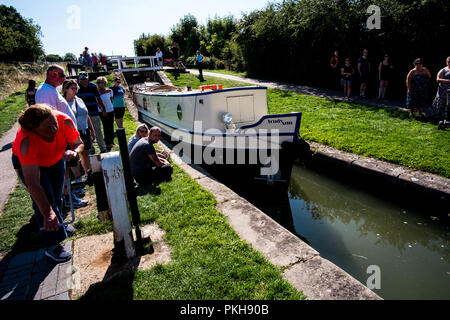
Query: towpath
[324, 93]
[8, 175]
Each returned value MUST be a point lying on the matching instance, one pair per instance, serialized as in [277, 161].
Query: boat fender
[211, 86]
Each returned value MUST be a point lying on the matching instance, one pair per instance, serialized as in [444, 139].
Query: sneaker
[77, 202]
[79, 192]
[58, 254]
[70, 230]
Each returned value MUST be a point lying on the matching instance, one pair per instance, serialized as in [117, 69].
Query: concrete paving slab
[220, 191]
[195, 174]
[319, 279]
[264, 234]
[426, 180]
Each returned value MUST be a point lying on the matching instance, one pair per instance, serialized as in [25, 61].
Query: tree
[70, 57]
[302, 36]
[146, 45]
[53, 58]
[187, 35]
[19, 37]
[217, 33]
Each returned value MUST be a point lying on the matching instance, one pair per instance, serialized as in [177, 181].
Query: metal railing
[138, 63]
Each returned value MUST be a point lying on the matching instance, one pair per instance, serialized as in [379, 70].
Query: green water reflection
[355, 229]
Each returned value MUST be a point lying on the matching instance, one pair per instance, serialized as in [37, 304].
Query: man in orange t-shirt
[39, 155]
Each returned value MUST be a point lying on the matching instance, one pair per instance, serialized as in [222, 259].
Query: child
[30, 93]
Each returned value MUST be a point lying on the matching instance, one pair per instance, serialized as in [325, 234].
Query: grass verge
[381, 133]
[10, 109]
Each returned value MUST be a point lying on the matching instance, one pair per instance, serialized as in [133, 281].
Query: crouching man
[147, 165]
[39, 156]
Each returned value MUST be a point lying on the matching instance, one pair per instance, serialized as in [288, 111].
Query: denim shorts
[346, 82]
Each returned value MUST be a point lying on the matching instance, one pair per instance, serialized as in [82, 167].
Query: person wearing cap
[90, 95]
[48, 94]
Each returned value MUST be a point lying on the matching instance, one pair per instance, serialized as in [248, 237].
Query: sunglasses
[143, 131]
[61, 75]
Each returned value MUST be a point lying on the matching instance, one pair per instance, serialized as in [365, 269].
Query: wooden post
[104, 214]
[117, 198]
[129, 184]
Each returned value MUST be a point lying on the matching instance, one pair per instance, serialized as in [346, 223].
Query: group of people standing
[91, 61]
[417, 83]
[363, 69]
[56, 128]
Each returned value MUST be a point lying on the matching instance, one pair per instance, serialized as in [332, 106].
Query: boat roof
[164, 90]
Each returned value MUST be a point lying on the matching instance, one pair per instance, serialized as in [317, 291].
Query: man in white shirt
[48, 94]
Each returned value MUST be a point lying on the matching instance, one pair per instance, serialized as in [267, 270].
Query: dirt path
[8, 174]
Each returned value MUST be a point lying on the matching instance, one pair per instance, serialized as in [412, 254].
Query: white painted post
[115, 189]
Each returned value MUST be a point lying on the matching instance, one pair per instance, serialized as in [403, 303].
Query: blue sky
[111, 26]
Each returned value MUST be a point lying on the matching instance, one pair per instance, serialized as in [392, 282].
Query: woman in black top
[384, 74]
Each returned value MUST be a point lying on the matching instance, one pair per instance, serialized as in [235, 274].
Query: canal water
[356, 229]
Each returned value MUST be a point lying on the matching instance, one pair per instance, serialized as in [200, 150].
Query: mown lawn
[209, 260]
[386, 134]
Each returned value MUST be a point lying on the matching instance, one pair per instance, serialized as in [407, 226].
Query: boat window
[144, 100]
[180, 112]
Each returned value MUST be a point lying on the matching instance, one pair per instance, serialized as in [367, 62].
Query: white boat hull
[195, 120]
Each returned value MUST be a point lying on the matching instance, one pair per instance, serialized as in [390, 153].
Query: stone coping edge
[434, 187]
[301, 265]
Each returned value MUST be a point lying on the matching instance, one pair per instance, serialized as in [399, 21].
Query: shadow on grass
[152, 188]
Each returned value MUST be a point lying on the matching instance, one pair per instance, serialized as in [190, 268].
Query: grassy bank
[13, 83]
[10, 109]
[380, 133]
[209, 261]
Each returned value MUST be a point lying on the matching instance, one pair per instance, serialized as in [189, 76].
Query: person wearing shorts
[347, 72]
[118, 102]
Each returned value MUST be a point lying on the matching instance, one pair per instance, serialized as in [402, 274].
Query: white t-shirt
[106, 98]
[49, 95]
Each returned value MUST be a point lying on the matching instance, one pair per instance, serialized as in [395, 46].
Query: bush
[53, 58]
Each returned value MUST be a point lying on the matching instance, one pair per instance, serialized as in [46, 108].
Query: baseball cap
[83, 75]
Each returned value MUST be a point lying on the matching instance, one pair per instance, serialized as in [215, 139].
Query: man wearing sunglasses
[48, 94]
